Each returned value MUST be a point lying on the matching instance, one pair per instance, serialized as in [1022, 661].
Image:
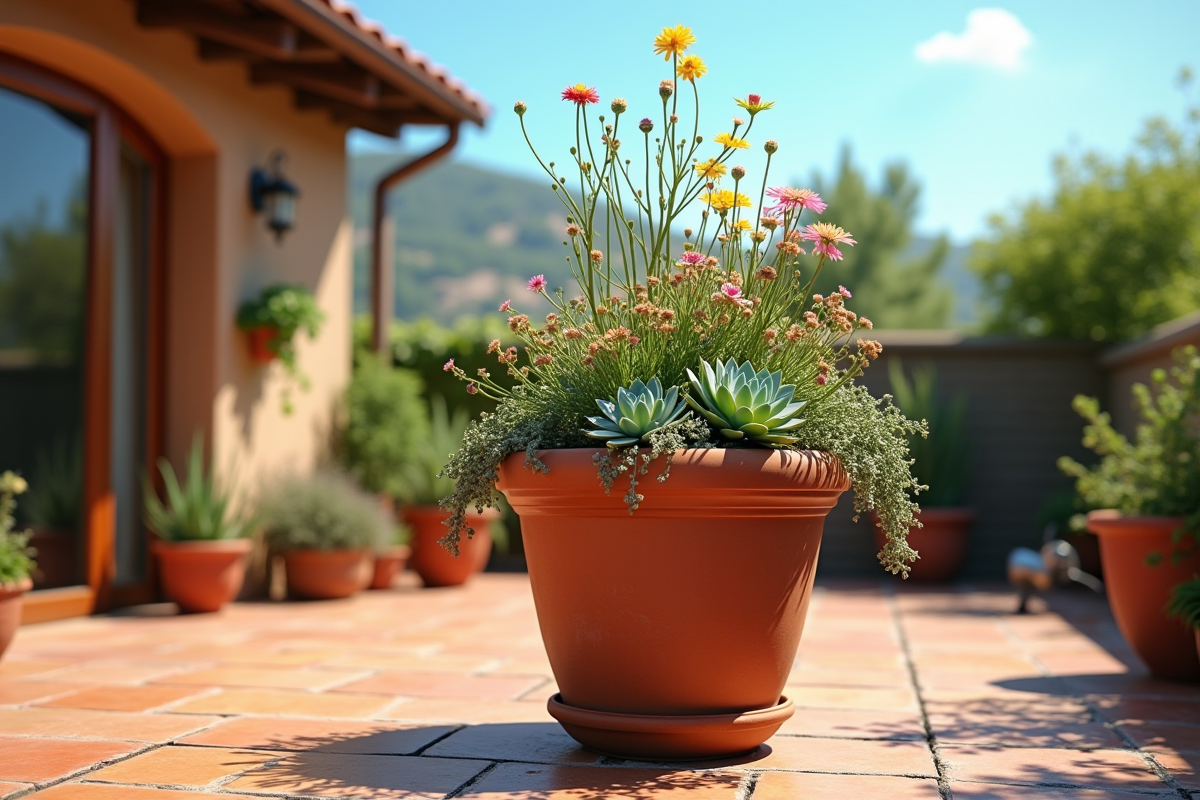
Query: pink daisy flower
[731, 290]
[580, 94]
[826, 238]
[537, 283]
[506, 305]
[691, 259]
[794, 200]
[845, 292]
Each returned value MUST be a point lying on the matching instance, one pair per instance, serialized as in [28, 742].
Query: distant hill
[467, 238]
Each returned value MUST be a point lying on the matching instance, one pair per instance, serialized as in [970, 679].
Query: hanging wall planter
[271, 322]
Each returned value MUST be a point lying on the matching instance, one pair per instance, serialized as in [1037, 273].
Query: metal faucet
[1056, 564]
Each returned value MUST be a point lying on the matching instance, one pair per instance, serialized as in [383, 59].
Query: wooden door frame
[109, 126]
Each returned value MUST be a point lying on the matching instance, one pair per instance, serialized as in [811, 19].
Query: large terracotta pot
[1139, 593]
[941, 543]
[388, 565]
[202, 576]
[10, 610]
[259, 341]
[671, 631]
[434, 563]
[327, 574]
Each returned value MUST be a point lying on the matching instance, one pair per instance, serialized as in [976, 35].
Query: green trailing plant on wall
[678, 265]
[285, 309]
[386, 425]
[326, 511]
[196, 509]
[1158, 472]
[16, 556]
[940, 458]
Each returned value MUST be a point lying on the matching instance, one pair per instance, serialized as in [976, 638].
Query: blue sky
[976, 103]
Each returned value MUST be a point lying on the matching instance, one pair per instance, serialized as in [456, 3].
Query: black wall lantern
[274, 194]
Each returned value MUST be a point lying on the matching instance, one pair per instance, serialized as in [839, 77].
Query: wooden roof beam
[304, 54]
[346, 84]
[272, 38]
[384, 123]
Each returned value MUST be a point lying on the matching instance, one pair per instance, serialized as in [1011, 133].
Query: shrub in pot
[16, 559]
[424, 487]
[1148, 491]
[678, 432]
[201, 547]
[326, 529]
[1185, 605]
[52, 509]
[940, 460]
[271, 322]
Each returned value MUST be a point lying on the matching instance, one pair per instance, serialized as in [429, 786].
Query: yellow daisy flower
[742, 224]
[725, 200]
[731, 141]
[673, 41]
[711, 170]
[690, 68]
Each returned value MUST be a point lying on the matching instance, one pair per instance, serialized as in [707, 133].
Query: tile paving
[902, 692]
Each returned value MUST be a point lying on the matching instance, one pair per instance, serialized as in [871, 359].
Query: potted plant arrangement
[52, 509]
[201, 547]
[271, 322]
[16, 559]
[427, 520]
[390, 558]
[1148, 493]
[1185, 605]
[680, 429]
[326, 529]
[940, 459]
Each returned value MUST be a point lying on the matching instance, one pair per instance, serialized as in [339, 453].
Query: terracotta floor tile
[878, 678]
[469, 711]
[537, 742]
[324, 736]
[330, 775]
[8, 788]
[15, 668]
[843, 697]
[794, 786]
[286, 703]
[176, 765]
[987, 791]
[88, 724]
[836, 659]
[1164, 736]
[521, 781]
[250, 655]
[1098, 769]
[855, 724]
[811, 754]
[37, 760]
[1135, 686]
[423, 684]
[118, 672]
[434, 663]
[1183, 768]
[15, 693]
[265, 677]
[122, 698]
[104, 791]
[1151, 710]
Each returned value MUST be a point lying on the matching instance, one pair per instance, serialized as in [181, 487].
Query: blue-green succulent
[639, 411]
[744, 404]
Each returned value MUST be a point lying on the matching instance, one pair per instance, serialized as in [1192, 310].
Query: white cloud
[993, 38]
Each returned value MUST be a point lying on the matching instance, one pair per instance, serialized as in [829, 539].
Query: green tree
[1114, 251]
[891, 288]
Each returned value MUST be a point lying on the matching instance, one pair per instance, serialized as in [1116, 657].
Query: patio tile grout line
[943, 781]
[472, 781]
[747, 785]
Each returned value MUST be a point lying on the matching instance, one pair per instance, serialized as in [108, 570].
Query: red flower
[580, 94]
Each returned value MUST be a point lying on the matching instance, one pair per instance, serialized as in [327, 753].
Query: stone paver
[902, 691]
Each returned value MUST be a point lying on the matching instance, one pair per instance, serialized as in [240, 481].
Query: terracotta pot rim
[241, 545]
[1109, 522]
[670, 723]
[317, 551]
[20, 587]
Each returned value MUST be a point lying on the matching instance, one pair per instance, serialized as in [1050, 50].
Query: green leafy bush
[56, 495]
[196, 510]
[424, 483]
[386, 426]
[16, 556]
[286, 309]
[940, 458]
[324, 512]
[1185, 603]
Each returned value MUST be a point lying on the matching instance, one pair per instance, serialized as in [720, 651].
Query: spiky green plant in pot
[639, 411]
[744, 404]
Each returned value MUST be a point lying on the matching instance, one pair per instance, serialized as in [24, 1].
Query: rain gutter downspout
[382, 281]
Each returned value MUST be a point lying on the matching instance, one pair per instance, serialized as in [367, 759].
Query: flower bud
[770, 145]
[754, 99]
[738, 173]
[520, 108]
[646, 125]
[666, 89]
[687, 233]
[619, 105]
[674, 118]
[738, 122]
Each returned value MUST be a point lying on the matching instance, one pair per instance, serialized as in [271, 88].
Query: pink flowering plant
[684, 281]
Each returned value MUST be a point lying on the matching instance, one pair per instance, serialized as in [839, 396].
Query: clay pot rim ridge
[20, 587]
[1109, 522]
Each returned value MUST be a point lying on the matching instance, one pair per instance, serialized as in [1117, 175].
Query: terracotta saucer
[651, 737]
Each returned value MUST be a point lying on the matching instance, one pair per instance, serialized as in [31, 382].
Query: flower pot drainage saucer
[685, 737]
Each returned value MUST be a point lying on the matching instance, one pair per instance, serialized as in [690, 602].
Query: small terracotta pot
[327, 574]
[941, 543]
[202, 576]
[57, 557]
[388, 565]
[259, 340]
[672, 631]
[434, 563]
[1138, 593]
[10, 610]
